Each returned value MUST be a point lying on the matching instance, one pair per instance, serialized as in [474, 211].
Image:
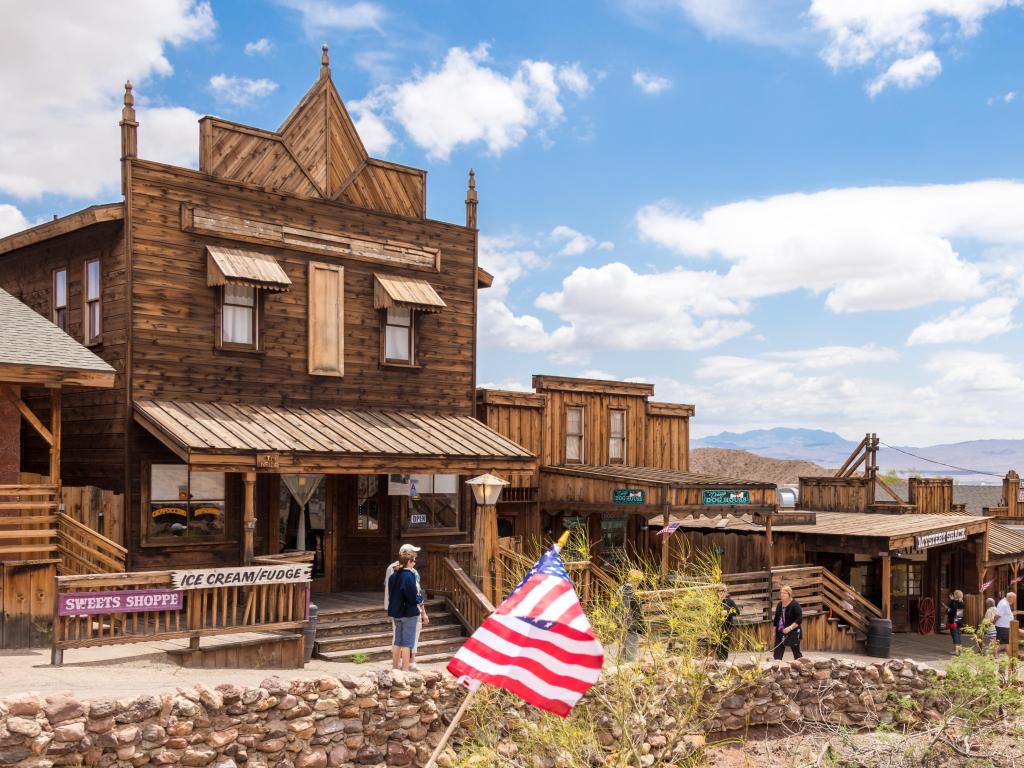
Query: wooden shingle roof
[340, 438]
[672, 478]
[35, 351]
[1004, 543]
[234, 266]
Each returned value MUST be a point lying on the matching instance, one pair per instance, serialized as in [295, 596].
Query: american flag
[538, 644]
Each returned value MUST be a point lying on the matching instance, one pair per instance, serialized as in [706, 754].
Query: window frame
[384, 508]
[612, 436]
[405, 527]
[384, 325]
[89, 338]
[257, 321]
[147, 539]
[54, 307]
[581, 435]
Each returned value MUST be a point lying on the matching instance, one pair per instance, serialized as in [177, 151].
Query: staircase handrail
[469, 605]
[84, 551]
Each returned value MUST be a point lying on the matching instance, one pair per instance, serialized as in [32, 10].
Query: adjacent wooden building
[294, 347]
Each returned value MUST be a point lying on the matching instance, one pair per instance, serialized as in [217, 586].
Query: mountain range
[975, 461]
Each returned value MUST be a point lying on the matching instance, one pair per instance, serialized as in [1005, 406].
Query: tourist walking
[955, 618]
[730, 611]
[1004, 615]
[788, 618]
[410, 550]
[632, 615]
[404, 609]
[988, 624]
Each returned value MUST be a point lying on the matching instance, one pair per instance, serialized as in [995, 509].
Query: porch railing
[432, 572]
[205, 612]
[464, 597]
[83, 551]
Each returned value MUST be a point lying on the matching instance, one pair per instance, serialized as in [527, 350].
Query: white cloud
[11, 220]
[260, 47]
[240, 91]
[374, 132]
[62, 84]
[971, 376]
[865, 248]
[896, 34]
[651, 84]
[835, 356]
[987, 318]
[575, 79]
[465, 100]
[762, 22]
[576, 243]
[318, 16]
[907, 73]
[1009, 96]
[614, 308]
[1006, 98]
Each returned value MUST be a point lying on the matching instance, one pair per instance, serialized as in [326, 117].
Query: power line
[941, 463]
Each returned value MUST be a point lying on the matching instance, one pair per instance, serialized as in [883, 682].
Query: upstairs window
[616, 436]
[399, 337]
[92, 322]
[574, 435]
[239, 327]
[60, 299]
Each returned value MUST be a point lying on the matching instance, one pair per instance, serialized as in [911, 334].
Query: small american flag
[538, 644]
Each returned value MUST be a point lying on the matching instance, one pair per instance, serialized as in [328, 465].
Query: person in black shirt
[788, 617]
[955, 618]
[731, 611]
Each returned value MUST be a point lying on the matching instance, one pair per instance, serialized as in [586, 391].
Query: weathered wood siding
[834, 494]
[93, 419]
[520, 418]
[931, 495]
[668, 442]
[175, 313]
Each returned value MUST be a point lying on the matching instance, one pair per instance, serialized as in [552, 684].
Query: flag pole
[432, 762]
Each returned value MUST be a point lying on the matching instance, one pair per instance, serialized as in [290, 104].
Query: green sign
[725, 497]
[629, 496]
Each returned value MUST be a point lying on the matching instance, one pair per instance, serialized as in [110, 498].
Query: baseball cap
[407, 549]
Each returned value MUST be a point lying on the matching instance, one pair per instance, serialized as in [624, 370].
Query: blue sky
[788, 212]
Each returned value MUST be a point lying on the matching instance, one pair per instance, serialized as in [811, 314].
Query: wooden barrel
[879, 640]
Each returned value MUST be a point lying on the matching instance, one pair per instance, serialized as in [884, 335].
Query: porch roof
[897, 529]
[245, 437]
[1005, 544]
[35, 351]
[670, 478]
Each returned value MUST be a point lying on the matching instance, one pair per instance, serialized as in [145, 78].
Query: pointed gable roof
[317, 152]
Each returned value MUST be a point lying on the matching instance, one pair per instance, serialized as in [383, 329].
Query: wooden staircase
[364, 634]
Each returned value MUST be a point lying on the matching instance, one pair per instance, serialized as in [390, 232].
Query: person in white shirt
[1004, 615]
[410, 550]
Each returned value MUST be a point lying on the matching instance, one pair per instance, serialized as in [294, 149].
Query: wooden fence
[26, 603]
[205, 612]
[99, 509]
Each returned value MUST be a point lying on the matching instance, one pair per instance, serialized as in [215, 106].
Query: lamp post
[486, 490]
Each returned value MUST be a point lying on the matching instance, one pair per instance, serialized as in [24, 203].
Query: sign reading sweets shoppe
[930, 540]
[247, 576]
[127, 601]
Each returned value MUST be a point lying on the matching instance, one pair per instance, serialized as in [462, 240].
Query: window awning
[390, 291]
[244, 437]
[233, 266]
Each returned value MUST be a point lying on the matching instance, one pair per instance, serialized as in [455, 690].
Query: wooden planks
[26, 603]
[326, 345]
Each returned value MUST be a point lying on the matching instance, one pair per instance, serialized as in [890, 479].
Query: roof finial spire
[129, 101]
[129, 134]
[471, 201]
[325, 62]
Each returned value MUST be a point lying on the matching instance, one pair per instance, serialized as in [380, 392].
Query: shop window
[93, 303]
[907, 579]
[616, 436]
[574, 435]
[60, 299]
[433, 504]
[183, 505]
[399, 336]
[368, 504]
[239, 317]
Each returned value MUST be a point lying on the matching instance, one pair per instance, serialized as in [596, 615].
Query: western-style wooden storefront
[295, 348]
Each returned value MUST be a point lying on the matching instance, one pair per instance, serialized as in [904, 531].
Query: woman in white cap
[409, 550]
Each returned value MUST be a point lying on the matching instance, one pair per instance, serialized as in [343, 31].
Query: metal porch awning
[246, 437]
[234, 266]
[392, 291]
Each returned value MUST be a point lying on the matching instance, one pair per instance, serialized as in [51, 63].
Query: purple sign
[128, 601]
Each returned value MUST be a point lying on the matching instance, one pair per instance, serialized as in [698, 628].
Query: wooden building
[294, 346]
[610, 458]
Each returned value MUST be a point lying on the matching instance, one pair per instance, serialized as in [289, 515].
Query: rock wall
[388, 720]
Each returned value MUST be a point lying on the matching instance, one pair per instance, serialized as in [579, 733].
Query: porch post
[485, 548]
[55, 419]
[249, 517]
[886, 586]
[665, 508]
[771, 542]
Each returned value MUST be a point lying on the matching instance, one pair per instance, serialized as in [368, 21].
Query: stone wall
[384, 719]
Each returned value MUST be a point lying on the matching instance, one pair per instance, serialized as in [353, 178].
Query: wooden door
[365, 518]
[320, 516]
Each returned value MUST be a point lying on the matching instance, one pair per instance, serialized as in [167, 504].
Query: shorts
[405, 632]
[1003, 635]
